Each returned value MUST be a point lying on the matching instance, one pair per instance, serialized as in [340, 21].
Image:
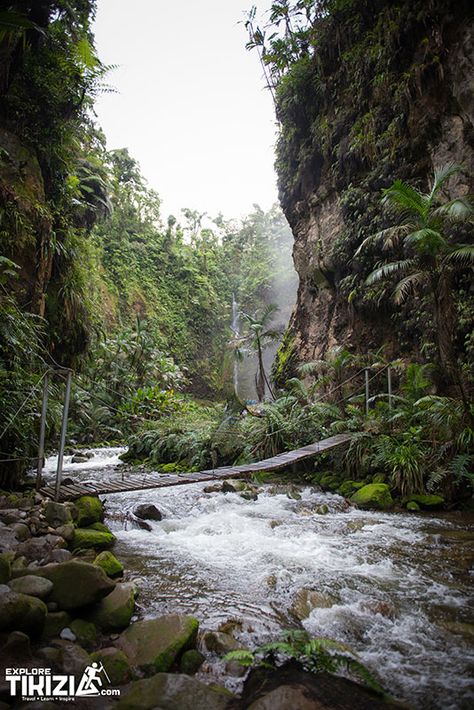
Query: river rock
[147, 511]
[20, 612]
[308, 599]
[57, 514]
[22, 531]
[89, 511]
[191, 661]
[38, 548]
[32, 585]
[8, 539]
[233, 486]
[76, 584]
[373, 496]
[68, 634]
[153, 644]
[6, 566]
[109, 563]
[427, 502]
[55, 622]
[72, 659]
[58, 555]
[115, 663]
[173, 691]
[219, 642]
[79, 458]
[9, 516]
[90, 538]
[85, 632]
[17, 646]
[115, 611]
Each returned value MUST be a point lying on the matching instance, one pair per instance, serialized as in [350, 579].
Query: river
[400, 585]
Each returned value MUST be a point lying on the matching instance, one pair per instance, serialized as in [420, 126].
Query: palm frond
[405, 198]
[441, 175]
[407, 286]
[459, 209]
[390, 269]
[389, 237]
[463, 254]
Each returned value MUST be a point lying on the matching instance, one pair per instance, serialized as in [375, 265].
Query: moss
[6, 566]
[427, 502]
[412, 506]
[85, 631]
[191, 661]
[89, 511]
[109, 563]
[374, 495]
[115, 663]
[285, 360]
[85, 538]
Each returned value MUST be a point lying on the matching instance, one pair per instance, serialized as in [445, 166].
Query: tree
[429, 259]
[259, 336]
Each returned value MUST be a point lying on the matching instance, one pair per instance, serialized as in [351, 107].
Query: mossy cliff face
[385, 93]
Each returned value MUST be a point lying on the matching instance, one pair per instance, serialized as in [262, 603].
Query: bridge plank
[136, 482]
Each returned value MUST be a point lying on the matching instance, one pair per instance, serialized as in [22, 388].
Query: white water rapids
[401, 583]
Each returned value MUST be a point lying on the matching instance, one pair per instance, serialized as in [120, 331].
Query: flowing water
[400, 585]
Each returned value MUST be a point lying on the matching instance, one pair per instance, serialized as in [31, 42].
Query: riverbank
[249, 563]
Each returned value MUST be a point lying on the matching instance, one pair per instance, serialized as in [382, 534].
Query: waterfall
[235, 329]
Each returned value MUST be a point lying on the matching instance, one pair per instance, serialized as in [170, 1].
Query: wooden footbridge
[139, 482]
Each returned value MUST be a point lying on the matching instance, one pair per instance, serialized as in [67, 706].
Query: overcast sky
[191, 104]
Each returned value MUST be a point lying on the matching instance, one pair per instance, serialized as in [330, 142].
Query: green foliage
[317, 655]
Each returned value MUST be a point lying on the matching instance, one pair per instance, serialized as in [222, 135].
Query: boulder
[427, 502]
[373, 496]
[219, 642]
[89, 511]
[76, 584]
[173, 691]
[54, 623]
[32, 585]
[17, 646]
[308, 599]
[22, 531]
[66, 531]
[413, 507]
[153, 644]
[85, 538]
[115, 611]
[20, 612]
[233, 486]
[147, 511]
[79, 458]
[85, 632]
[57, 514]
[5, 566]
[58, 555]
[191, 661]
[115, 663]
[8, 539]
[109, 563]
[38, 548]
[72, 659]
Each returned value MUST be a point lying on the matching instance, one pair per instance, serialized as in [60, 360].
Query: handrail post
[389, 386]
[44, 408]
[62, 442]
[366, 371]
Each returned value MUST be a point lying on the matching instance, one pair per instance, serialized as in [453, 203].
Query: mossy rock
[412, 506]
[373, 496]
[115, 611]
[85, 538]
[153, 645]
[427, 502]
[109, 563]
[191, 661]
[330, 482]
[173, 690]
[347, 488]
[89, 511]
[76, 584]
[54, 623]
[20, 612]
[6, 559]
[85, 632]
[115, 663]
[379, 478]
